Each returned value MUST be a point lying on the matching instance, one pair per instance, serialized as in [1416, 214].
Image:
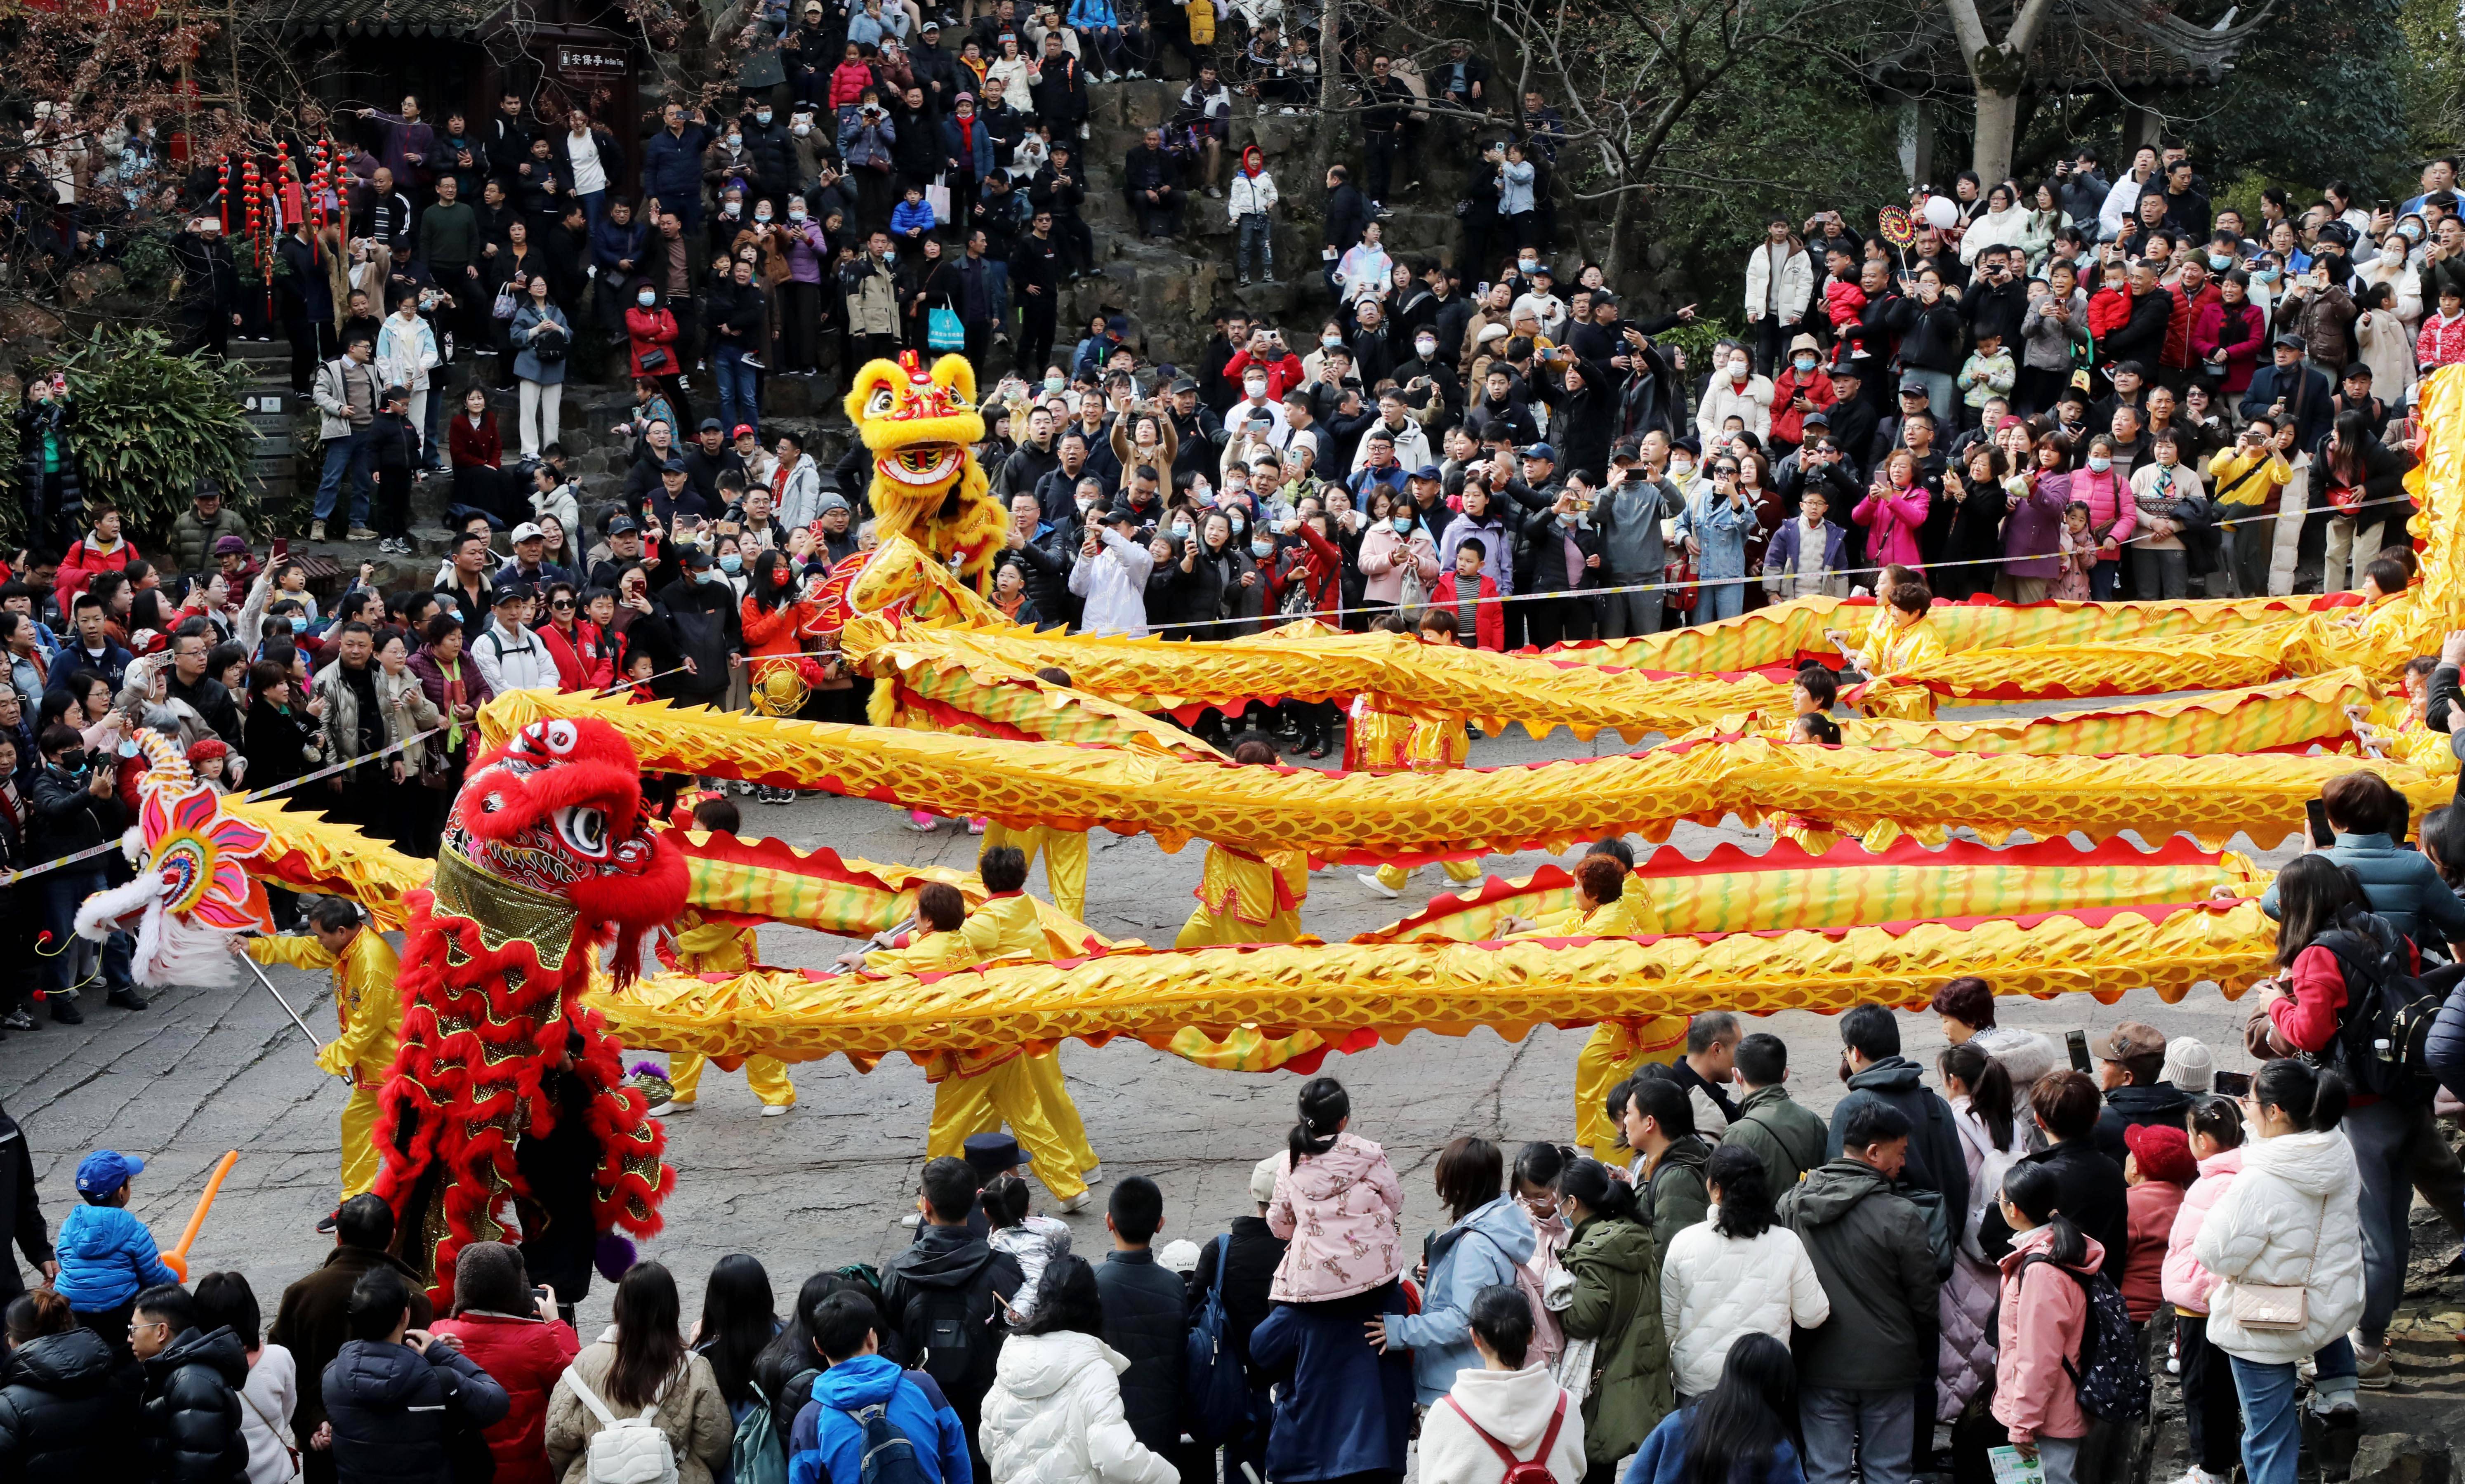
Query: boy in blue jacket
[106, 1255]
[912, 218]
[826, 1443]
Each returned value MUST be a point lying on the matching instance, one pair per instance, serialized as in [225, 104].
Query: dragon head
[556, 815]
[919, 425]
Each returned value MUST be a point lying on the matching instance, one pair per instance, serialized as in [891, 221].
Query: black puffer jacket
[65, 1413]
[395, 1410]
[191, 1424]
[69, 816]
[1146, 1317]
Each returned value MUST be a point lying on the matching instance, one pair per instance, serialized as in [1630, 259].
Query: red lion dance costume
[547, 857]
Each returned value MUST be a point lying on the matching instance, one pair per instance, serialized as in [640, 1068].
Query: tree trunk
[1622, 224]
[1330, 91]
[1998, 121]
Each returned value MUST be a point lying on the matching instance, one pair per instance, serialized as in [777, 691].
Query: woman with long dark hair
[1054, 1411]
[738, 1320]
[1979, 1089]
[788, 1366]
[1738, 1274]
[2292, 1219]
[2044, 1318]
[2363, 482]
[642, 1364]
[1744, 1431]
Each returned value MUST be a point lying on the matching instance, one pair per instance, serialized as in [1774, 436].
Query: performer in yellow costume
[706, 948]
[367, 1008]
[1065, 851]
[1609, 902]
[969, 1096]
[1897, 641]
[1383, 740]
[1246, 899]
[1004, 926]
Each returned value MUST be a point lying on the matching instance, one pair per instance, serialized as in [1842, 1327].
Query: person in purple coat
[1808, 553]
[2032, 532]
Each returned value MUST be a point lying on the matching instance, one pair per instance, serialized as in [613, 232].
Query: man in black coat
[1043, 551]
[1244, 1261]
[1147, 176]
[700, 612]
[950, 1282]
[313, 1319]
[73, 806]
[2141, 337]
[21, 1212]
[1146, 1316]
[396, 1397]
[2130, 1069]
[189, 1419]
[2288, 389]
[1347, 216]
[1870, 1046]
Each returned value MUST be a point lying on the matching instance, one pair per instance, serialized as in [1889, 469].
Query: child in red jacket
[1469, 583]
[2156, 1172]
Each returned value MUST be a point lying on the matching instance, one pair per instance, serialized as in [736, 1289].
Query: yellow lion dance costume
[921, 430]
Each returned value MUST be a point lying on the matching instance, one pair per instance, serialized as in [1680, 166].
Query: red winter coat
[84, 562]
[648, 329]
[1489, 616]
[1319, 571]
[524, 1355]
[2152, 1206]
[587, 661]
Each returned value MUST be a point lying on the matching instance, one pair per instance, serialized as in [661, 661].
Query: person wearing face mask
[1734, 391]
[1803, 387]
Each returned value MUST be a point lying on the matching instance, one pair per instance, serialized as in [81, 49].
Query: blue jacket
[106, 1256]
[1662, 1459]
[979, 157]
[1088, 14]
[827, 1446]
[916, 215]
[2401, 885]
[1483, 1249]
[612, 244]
[1341, 1407]
[672, 167]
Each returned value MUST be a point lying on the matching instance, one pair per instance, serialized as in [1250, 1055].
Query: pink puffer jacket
[2043, 1318]
[2185, 1283]
[1338, 1210]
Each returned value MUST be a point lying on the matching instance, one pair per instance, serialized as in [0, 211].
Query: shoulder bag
[2275, 1307]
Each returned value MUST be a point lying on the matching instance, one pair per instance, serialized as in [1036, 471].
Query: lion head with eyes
[922, 428]
[558, 809]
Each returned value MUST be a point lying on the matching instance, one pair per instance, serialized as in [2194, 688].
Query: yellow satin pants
[1065, 860]
[766, 1075]
[1008, 1095]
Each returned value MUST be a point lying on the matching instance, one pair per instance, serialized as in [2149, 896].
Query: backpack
[1941, 1240]
[943, 1326]
[2382, 1035]
[1215, 1391]
[759, 1455]
[625, 1450]
[1533, 1470]
[2110, 1380]
[889, 1454]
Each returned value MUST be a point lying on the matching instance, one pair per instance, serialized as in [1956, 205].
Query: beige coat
[690, 1413]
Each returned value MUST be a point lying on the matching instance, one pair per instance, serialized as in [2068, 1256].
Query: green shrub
[148, 426]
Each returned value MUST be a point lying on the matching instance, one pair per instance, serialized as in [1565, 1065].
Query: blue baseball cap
[107, 1170]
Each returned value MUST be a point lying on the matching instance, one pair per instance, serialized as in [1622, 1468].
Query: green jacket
[192, 541]
[1616, 1267]
[1676, 1197]
[1869, 1247]
[1788, 1137]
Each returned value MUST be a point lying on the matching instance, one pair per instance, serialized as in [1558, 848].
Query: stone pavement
[207, 1069]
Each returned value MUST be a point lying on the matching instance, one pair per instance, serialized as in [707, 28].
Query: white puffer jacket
[1054, 1416]
[2293, 1216]
[1714, 1289]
